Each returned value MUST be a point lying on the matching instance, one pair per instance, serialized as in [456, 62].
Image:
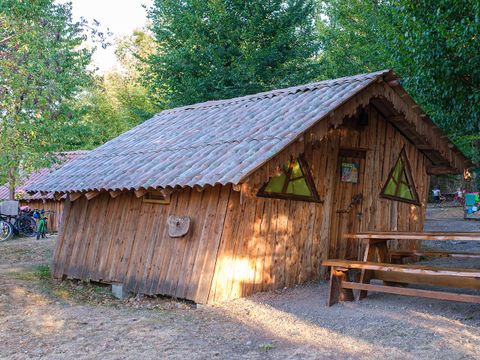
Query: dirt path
[40, 319]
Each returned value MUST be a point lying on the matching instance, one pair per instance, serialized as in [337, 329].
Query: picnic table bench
[378, 262]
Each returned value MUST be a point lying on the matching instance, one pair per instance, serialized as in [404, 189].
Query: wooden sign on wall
[178, 226]
[349, 172]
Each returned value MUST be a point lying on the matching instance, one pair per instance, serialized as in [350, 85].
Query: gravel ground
[41, 319]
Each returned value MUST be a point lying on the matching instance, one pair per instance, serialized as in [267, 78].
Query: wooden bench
[379, 262]
[424, 253]
[341, 284]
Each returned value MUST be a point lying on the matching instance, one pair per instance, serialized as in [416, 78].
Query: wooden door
[347, 203]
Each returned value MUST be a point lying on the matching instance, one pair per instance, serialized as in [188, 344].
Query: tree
[212, 49]
[432, 45]
[42, 66]
[115, 102]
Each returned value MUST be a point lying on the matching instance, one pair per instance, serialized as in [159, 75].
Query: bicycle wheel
[26, 226]
[6, 230]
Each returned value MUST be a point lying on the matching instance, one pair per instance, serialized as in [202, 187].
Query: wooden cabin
[45, 200]
[222, 199]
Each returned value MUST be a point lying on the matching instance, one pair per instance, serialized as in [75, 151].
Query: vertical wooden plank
[269, 265]
[118, 234]
[103, 259]
[225, 264]
[208, 248]
[158, 221]
[140, 244]
[77, 239]
[163, 250]
[59, 256]
[90, 262]
[281, 241]
[174, 272]
[258, 254]
[127, 241]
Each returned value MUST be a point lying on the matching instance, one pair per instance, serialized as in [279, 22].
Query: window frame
[156, 197]
[307, 175]
[411, 183]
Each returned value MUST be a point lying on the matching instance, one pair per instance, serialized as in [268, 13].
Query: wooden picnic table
[378, 262]
[376, 243]
[404, 235]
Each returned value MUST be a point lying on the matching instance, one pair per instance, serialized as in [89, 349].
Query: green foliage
[116, 101]
[42, 66]
[212, 49]
[112, 105]
[432, 45]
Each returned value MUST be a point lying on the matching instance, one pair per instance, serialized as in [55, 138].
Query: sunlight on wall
[234, 271]
[414, 212]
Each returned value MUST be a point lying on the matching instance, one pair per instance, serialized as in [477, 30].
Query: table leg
[366, 275]
[335, 291]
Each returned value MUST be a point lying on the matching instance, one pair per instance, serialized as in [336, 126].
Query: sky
[120, 16]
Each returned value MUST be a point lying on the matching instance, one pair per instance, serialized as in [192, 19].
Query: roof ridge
[276, 92]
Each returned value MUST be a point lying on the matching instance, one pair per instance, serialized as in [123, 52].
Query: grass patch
[266, 346]
[39, 272]
[81, 292]
[88, 292]
[43, 272]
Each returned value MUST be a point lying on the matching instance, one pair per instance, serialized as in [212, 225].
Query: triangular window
[400, 185]
[295, 183]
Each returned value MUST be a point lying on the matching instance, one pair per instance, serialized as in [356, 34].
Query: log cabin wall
[241, 244]
[54, 217]
[126, 240]
[269, 244]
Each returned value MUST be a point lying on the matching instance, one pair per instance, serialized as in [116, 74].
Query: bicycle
[23, 224]
[6, 230]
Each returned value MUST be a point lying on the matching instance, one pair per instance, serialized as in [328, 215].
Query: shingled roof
[215, 142]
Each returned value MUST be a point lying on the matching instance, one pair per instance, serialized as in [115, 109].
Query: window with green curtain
[399, 185]
[295, 182]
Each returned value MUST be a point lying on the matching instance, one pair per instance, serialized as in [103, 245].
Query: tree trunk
[11, 183]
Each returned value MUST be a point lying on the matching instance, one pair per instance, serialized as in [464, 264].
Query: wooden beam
[115, 193]
[434, 254]
[58, 195]
[425, 147]
[441, 281]
[396, 118]
[91, 194]
[439, 295]
[140, 192]
[441, 170]
[407, 235]
[409, 269]
[74, 196]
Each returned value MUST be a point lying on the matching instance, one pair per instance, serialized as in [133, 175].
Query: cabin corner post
[57, 271]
